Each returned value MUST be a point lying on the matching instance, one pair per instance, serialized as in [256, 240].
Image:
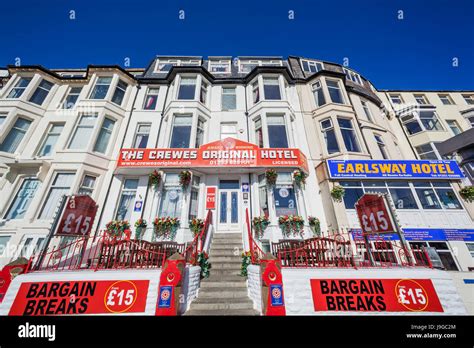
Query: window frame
[234, 95]
[353, 130]
[191, 116]
[272, 78]
[366, 108]
[381, 145]
[140, 133]
[324, 130]
[77, 126]
[14, 197]
[100, 133]
[93, 90]
[217, 63]
[7, 134]
[82, 187]
[311, 63]
[43, 89]
[68, 94]
[317, 89]
[51, 186]
[45, 138]
[119, 89]
[180, 84]
[421, 96]
[338, 88]
[122, 190]
[447, 97]
[18, 87]
[148, 94]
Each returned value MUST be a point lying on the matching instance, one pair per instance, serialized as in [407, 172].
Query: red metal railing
[196, 245]
[103, 252]
[339, 250]
[256, 253]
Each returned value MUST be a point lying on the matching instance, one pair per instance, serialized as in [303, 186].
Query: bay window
[187, 88]
[284, 194]
[50, 140]
[15, 135]
[259, 132]
[271, 88]
[19, 88]
[41, 92]
[181, 132]
[72, 97]
[277, 136]
[127, 199]
[171, 197]
[203, 94]
[23, 198]
[105, 134]
[255, 92]
[119, 92]
[365, 106]
[101, 88]
[329, 135]
[87, 185]
[83, 132]
[60, 186]
[381, 146]
[151, 99]
[318, 94]
[430, 121]
[335, 91]
[348, 134]
[141, 136]
[200, 132]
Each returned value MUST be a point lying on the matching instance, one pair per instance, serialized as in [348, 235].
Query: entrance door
[229, 206]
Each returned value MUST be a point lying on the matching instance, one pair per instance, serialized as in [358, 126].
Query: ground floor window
[442, 249]
[127, 197]
[171, 197]
[263, 195]
[470, 247]
[284, 194]
[194, 201]
[405, 194]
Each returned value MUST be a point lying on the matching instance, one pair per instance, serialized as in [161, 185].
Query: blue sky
[413, 53]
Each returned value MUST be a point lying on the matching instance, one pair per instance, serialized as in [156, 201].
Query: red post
[272, 286]
[170, 286]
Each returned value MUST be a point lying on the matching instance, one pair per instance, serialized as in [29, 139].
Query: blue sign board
[245, 187]
[164, 301]
[138, 206]
[393, 169]
[276, 294]
[425, 234]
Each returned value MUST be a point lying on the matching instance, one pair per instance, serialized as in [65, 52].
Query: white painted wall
[190, 287]
[254, 286]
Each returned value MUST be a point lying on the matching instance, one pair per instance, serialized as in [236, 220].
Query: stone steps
[223, 312]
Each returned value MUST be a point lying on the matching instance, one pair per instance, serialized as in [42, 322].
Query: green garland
[338, 193]
[246, 260]
[203, 261]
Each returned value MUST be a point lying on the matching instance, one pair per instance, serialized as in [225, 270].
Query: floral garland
[196, 226]
[166, 227]
[115, 228]
[154, 179]
[315, 225]
[140, 226]
[300, 178]
[291, 225]
[184, 178]
[203, 262]
[338, 193]
[271, 176]
[260, 223]
[246, 260]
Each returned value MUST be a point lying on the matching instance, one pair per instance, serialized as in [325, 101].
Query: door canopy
[225, 153]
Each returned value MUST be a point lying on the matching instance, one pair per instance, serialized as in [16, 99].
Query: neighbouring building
[101, 131]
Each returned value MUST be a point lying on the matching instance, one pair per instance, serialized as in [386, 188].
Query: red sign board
[78, 217]
[229, 152]
[81, 297]
[211, 197]
[374, 215]
[375, 295]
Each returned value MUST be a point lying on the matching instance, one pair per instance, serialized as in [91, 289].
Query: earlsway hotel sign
[224, 153]
[393, 169]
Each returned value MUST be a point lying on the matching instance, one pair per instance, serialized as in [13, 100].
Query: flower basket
[140, 227]
[337, 193]
[260, 223]
[154, 179]
[271, 176]
[203, 261]
[115, 228]
[291, 225]
[184, 178]
[467, 193]
[315, 225]
[165, 227]
[196, 226]
[246, 260]
[299, 178]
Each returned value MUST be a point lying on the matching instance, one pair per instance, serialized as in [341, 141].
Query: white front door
[228, 218]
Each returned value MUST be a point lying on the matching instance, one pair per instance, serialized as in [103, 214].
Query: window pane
[428, 199]
[19, 88]
[119, 92]
[104, 136]
[271, 89]
[403, 198]
[171, 202]
[285, 200]
[41, 92]
[23, 199]
[430, 121]
[50, 140]
[151, 99]
[101, 88]
[15, 136]
[348, 135]
[83, 132]
[60, 186]
[331, 141]
[334, 92]
[228, 98]
[127, 199]
[181, 132]
[187, 89]
[413, 127]
[351, 196]
[277, 132]
[448, 199]
[142, 135]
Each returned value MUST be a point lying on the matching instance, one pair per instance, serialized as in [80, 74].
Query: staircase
[225, 291]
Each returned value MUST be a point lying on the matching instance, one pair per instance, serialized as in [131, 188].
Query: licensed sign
[394, 169]
[211, 197]
[81, 297]
[375, 295]
[228, 152]
[426, 234]
[78, 216]
[374, 215]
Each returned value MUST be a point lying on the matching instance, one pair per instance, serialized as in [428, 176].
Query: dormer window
[248, 66]
[311, 66]
[219, 66]
[165, 65]
[354, 77]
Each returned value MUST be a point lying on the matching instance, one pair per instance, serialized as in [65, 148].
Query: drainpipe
[121, 146]
[248, 139]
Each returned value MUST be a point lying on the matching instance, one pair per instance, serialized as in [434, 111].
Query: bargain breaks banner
[229, 152]
[394, 169]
